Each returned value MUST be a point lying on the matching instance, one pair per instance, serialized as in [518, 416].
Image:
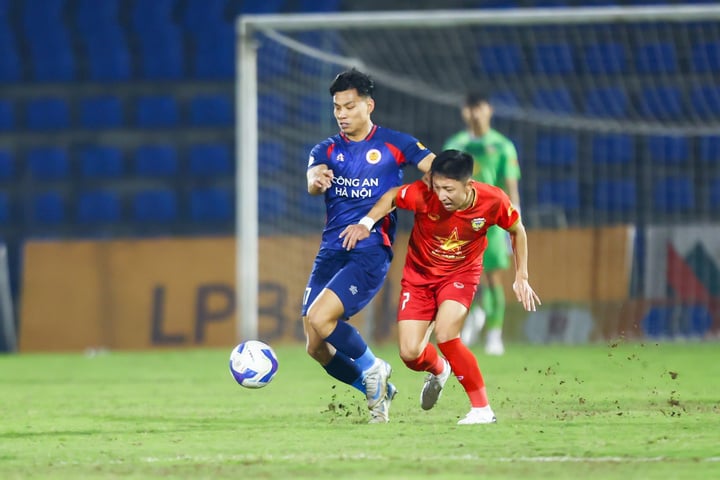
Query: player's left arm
[521, 286]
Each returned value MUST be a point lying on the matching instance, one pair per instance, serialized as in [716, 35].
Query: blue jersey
[362, 172]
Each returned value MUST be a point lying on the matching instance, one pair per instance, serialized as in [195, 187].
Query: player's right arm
[361, 230]
[319, 179]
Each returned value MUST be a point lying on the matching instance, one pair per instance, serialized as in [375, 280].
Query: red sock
[466, 369]
[428, 361]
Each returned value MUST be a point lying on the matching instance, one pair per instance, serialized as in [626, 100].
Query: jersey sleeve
[506, 214]
[320, 154]
[412, 149]
[410, 196]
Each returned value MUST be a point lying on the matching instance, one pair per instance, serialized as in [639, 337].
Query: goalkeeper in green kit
[496, 163]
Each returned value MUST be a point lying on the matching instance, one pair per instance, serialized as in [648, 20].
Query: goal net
[615, 113]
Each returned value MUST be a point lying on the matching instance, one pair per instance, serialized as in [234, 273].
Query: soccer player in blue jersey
[352, 170]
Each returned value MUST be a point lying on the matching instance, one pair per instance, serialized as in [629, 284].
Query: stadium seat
[604, 59]
[155, 206]
[273, 61]
[272, 6]
[48, 113]
[556, 100]
[92, 17]
[714, 194]
[10, 63]
[108, 55]
[501, 59]
[673, 194]
[654, 58]
[101, 112]
[209, 205]
[553, 59]
[272, 110]
[606, 102]
[214, 54]
[271, 158]
[146, 15]
[615, 195]
[272, 203]
[51, 54]
[314, 6]
[705, 101]
[556, 149]
[710, 149]
[48, 208]
[706, 57]
[211, 111]
[98, 206]
[7, 166]
[668, 150]
[505, 98]
[661, 103]
[564, 193]
[4, 208]
[101, 162]
[613, 149]
[210, 160]
[7, 116]
[155, 161]
[207, 15]
[162, 56]
[157, 111]
[48, 163]
[315, 108]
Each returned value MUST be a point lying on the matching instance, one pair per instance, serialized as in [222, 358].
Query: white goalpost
[636, 86]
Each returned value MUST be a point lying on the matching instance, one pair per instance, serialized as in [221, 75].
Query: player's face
[478, 116]
[453, 194]
[352, 113]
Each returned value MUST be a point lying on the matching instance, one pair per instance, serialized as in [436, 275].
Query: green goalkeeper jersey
[494, 154]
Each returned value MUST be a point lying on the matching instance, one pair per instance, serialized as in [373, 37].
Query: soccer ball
[253, 364]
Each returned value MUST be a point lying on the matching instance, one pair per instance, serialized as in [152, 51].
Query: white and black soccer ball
[253, 364]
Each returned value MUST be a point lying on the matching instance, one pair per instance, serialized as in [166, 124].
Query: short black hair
[475, 97]
[353, 79]
[453, 164]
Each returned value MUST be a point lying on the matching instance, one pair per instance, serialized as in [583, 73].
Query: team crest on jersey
[373, 156]
[477, 223]
[340, 157]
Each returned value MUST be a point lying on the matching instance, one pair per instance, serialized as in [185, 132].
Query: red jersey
[443, 242]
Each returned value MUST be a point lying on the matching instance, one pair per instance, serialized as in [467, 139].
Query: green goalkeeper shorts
[497, 254]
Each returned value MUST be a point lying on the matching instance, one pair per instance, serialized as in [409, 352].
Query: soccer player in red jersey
[442, 271]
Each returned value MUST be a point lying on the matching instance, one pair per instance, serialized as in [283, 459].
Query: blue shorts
[355, 276]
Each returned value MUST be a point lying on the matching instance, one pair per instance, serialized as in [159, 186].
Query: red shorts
[419, 300]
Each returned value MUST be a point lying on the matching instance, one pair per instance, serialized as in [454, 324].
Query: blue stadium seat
[48, 163]
[311, 207]
[710, 149]
[206, 15]
[564, 193]
[556, 100]
[500, 59]
[155, 161]
[92, 17]
[48, 113]
[155, 206]
[556, 149]
[273, 61]
[714, 194]
[101, 112]
[161, 53]
[505, 98]
[147, 15]
[653, 58]
[313, 6]
[705, 101]
[269, 6]
[51, 54]
[214, 54]
[101, 162]
[209, 205]
[272, 110]
[615, 195]
[4, 208]
[272, 203]
[99, 206]
[668, 150]
[315, 108]
[48, 208]
[10, 64]
[210, 160]
[211, 111]
[7, 166]
[40, 14]
[553, 59]
[613, 149]
[673, 194]
[604, 59]
[157, 111]
[7, 116]
[661, 102]
[606, 102]
[108, 55]
[271, 158]
[706, 57]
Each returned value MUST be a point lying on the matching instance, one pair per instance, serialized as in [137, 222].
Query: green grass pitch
[640, 410]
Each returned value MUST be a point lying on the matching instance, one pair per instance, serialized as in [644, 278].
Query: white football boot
[478, 416]
[376, 390]
[432, 388]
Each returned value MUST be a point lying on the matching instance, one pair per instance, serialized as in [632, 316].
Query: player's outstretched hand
[323, 180]
[353, 234]
[526, 295]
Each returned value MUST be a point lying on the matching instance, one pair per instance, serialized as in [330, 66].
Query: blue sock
[346, 339]
[345, 370]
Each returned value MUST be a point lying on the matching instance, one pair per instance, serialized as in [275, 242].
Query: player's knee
[410, 352]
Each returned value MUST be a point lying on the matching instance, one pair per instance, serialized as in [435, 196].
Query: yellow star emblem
[452, 242]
